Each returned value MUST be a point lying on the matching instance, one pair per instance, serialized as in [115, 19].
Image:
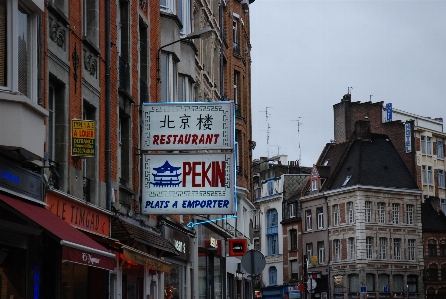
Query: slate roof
[431, 220]
[372, 162]
[127, 229]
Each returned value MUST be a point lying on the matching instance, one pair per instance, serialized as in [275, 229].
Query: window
[383, 281]
[443, 205]
[423, 145]
[370, 282]
[308, 220]
[292, 210]
[256, 244]
[369, 247]
[335, 215]
[353, 282]
[432, 249]
[381, 212]
[238, 134]
[309, 248]
[18, 48]
[185, 89]
[395, 213]
[90, 26]
[314, 185]
[432, 273]
[272, 276]
[270, 187]
[409, 214]
[351, 249]
[184, 16]
[423, 174]
[236, 88]
[368, 211]
[350, 212]
[320, 218]
[440, 150]
[168, 77]
[430, 180]
[143, 62]
[235, 36]
[429, 146]
[293, 239]
[398, 283]
[168, 6]
[321, 252]
[411, 249]
[442, 249]
[440, 178]
[397, 249]
[272, 232]
[383, 248]
[412, 283]
[337, 250]
[443, 272]
[294, 270]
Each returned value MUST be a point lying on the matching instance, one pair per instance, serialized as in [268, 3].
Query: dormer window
[314, 185]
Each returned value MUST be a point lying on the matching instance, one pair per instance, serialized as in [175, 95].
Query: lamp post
[204, 32]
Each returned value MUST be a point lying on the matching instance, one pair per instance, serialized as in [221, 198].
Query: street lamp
[204, 32]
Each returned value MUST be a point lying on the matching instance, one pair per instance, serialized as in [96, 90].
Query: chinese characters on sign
[83, 138]
[188, 126]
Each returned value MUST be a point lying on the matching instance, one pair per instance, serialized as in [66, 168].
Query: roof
[432, 220]
[372, 162]
[124, 228]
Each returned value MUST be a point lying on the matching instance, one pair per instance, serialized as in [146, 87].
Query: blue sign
[407, 139]
[386, 289]
[389, 111]
[363, 289]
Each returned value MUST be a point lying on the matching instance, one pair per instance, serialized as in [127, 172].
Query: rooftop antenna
[371, 97]
[268, 127]
[348, 89]
[278, 148]
[298, 131]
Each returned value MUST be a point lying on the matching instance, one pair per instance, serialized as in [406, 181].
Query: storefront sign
[180, 241]
[79, 215]
[87, 258]
[20, 180]
[188, 126]
[408, 138]
[145, 260]
[192, 184]
[237, 247]
[83, 138]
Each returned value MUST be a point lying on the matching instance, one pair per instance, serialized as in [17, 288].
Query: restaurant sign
[188, 126]
[83, 138]
[192, 184]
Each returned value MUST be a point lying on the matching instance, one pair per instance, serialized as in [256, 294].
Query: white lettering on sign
[213, 243]
[86, 257]
[408, 141]
[180, 246]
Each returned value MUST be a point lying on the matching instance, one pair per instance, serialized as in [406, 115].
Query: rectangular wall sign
[188, 126]
[83, 138]
[188, 184]
[408, 138]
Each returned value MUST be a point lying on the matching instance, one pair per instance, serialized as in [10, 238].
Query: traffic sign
[253, 261]
[301, 287]
[311, 284]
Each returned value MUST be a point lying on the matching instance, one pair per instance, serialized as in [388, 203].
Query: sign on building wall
[389, 111]
[188, 126]
[193, 183]
[83, 138]
[408, 139]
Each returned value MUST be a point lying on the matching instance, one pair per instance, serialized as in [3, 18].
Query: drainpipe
[222, 90]
[39, 61]
[107, 105]
[329, 248]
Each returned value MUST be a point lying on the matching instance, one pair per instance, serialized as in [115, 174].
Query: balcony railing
[86, 195]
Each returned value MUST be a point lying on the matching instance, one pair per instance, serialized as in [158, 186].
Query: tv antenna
[348, 89]
[299, 123]
[278, 148]
[268, 127]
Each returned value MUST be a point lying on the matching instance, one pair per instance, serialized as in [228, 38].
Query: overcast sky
[305, 55]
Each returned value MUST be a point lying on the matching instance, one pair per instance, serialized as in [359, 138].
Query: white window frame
[308, 220]
[309, 249]
[168, 6]
[395, 213]
[383, 248]
[381, 212]
[369, 247]
[351, 248]
[397, 249]
[423, 145]
[410, 214]
[236, 84]
[314, 185]
[429, 145]
[411, 249]
[337, 250]
[185, 89]
[368, 211]
[423, 174]
[320, 220]
[292, 210]
[171, 76]
[12, 50]
[440, 178]
[430, 179]
[321, 252]
[351, 212]
[185, 17]
[336, 215]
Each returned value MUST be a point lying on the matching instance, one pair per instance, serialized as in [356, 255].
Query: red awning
[76, 246]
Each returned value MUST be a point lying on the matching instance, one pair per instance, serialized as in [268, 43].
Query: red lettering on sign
[202, 174]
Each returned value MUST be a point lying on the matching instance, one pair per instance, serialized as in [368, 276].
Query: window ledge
[91, 46]
[61, 16]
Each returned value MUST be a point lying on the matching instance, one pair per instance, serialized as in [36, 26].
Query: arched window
[272, 276]
[272, 231]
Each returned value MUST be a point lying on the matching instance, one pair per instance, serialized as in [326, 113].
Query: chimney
[362, 129]
[347, 98]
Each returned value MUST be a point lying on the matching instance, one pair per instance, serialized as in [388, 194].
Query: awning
[76, 246]
[145, 259]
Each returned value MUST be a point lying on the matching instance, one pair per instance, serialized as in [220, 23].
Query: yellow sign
[314, 260]
[144, 259]
[83, 138]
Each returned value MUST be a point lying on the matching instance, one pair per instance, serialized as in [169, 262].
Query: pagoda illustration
[166, 176]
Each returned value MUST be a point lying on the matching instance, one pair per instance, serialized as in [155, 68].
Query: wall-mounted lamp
[204, 32]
